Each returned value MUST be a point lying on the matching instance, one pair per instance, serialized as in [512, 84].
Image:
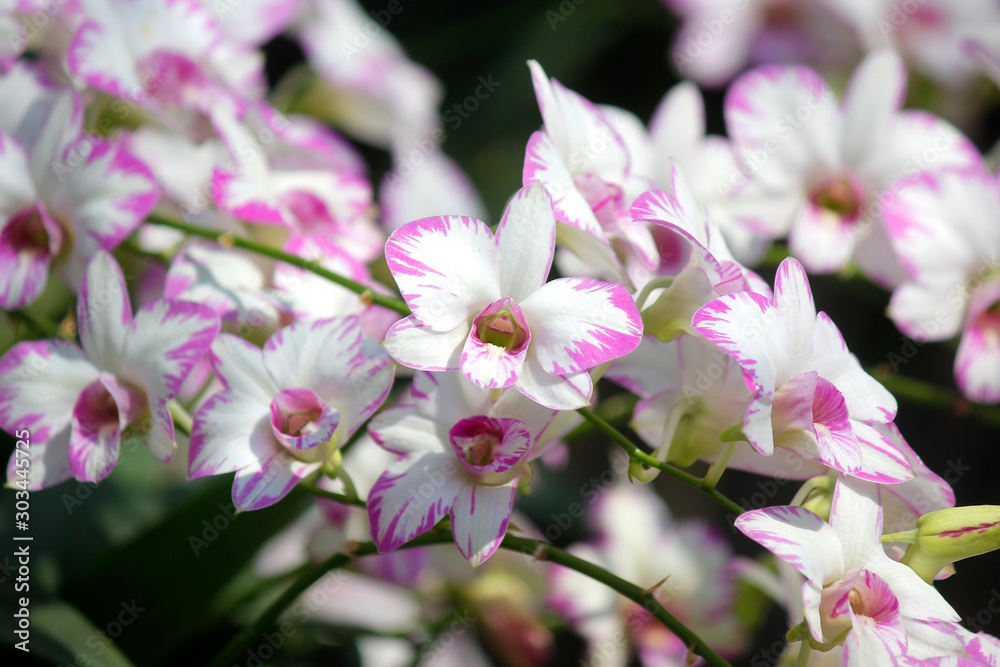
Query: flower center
[502, 330]
[477, 441]
[169, 76]
[302, 421]
[839, 196]
[26, 232]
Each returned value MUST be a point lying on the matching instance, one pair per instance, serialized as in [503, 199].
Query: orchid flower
[810, 394]
[854, 593]
[65, 195]
[460, 453]
[480, 303]
[286, 409]
[943, 225]
[820, 171]
[583, 163]
[77, 403]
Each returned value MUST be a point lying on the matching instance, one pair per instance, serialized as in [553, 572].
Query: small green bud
[948, 535]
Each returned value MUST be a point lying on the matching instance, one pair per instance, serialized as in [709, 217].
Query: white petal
[526, 240]
[479, 518]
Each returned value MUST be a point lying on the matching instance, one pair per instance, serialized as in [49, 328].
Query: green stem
[332, 495]
[228, 239]
[39, 324]
[639, 456]
[539, 550]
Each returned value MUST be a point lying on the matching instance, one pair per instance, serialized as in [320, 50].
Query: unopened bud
[948, 535]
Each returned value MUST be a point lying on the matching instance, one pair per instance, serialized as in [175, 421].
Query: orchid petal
[526, 240]
[417, 346]
[479, 519]
[268, 480]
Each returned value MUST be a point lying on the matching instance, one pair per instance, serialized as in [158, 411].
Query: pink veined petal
[239, 365]
[313, 353]
[103, 200]
[104, 314]
[918, 600]
[856, 517]
[757, 423]
[301, 420]
[266, 481]
[493, 366]
[414, 345]
[799, 537]
[593, 252]
[765, 107]
[877, 636]
[526, 240]
[100, 57]
[404, 430]
[40, 382]
[246, 199]
[543, 164]
[934, 223]
[447, 269]
[743, 324]
[794, 301]
[100, 415]
[882, 461]
[558, 392]
[411, 496]
[977, 362]
[48, 462]
[579, 323]
[231, 431]
[169, 337]
[479, 519]
[872, 99]
[837, 445]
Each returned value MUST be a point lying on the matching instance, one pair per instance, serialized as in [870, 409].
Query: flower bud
[945, 536]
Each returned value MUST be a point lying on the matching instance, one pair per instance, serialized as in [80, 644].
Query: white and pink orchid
[286, 409]
[810, 394]
[944, 228]
[481, 304]
[854, 593]
[819, 170]
[65, 195]
[462, 453]
[78, 402]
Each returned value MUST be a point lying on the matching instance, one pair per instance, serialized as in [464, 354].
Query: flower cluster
[417, 370]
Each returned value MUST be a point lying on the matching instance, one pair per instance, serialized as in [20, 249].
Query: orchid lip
[840, 195]
[301, 420]
[503, 325]
[491, 450]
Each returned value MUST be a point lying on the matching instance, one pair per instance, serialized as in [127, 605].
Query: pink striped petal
[446, 268]
[788, 114]
[104, 314]
[268, 480]
[411, 496]
[479, 519]
[40, 382]
[246, 199]
[837, 445]
[794, 301]
[884, 458]
[526, 240]
[414, 345]
[404, 430]
[239, 365]
[804, 541]
[743, 324]
[103, 200]
[977, 362]
[543, 164]
[232, 430]
[579, 323]
[48, 463]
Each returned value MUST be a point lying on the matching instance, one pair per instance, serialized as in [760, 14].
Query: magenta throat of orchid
[477, 438]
